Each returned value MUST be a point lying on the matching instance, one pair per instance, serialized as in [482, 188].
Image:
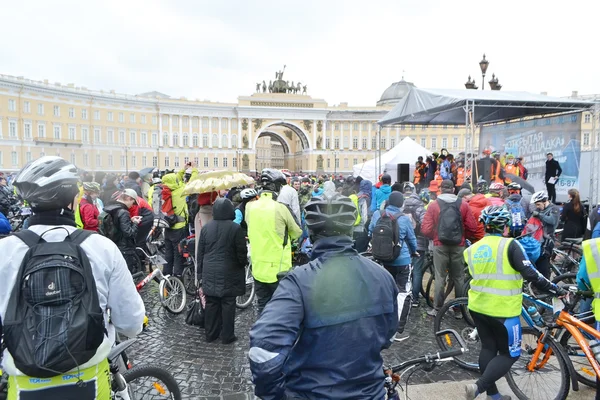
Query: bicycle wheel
[583, 369]
[188, 279]
[446, 319]
[154, 383]
[550, 378]
[172, 294]
[427, 273]
[245, 300]
[566, 279]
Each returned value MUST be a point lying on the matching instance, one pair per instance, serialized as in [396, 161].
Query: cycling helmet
[272, 179]
[514, 187]
[91, 187]
[496, 188]
[495, 218]
[48, 183]
[532, 247]
[248, 194]
[408, 187]
[156, 180]
[424, 196]
[482, 187]
[539, 196]
[330, 215]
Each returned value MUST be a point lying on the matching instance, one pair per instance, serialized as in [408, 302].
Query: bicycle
[427, 362]
[171, 290]
[246, 300]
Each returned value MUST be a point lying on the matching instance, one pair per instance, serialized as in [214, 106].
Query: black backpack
[386, 243]
[53, 321]
[106, 225]
[450, 226]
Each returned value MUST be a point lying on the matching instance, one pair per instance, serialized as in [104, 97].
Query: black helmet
[48, 183]
[272, 179]
[330, 216]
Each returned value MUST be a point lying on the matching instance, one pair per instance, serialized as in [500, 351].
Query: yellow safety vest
[354, 199]
[591, 255]
[496, 288]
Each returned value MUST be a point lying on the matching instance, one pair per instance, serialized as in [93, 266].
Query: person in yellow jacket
[178, 231]
[271, 225]
[498, 266]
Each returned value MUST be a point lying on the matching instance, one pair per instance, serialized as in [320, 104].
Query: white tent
[405, 152]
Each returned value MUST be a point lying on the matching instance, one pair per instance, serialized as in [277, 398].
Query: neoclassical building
[106, 131]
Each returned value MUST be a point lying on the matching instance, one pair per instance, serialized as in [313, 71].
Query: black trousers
[402, 276]
[543, 265]
[173, 258]
[264, 292]
[219, 318]
[551, 192]
[133, 261]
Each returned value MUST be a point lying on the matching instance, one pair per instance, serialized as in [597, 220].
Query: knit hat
[464, 192]
[447, 185]
[396, 199]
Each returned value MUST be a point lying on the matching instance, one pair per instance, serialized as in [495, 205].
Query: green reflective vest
[496, 288]
[591, 255]
[354, 199]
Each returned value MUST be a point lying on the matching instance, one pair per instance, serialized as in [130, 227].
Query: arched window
[234, 140]
[195, 140]
[185, 140]
[205, 140]
[215, 140]
[165, 139]
[175, 139]
[224, 140]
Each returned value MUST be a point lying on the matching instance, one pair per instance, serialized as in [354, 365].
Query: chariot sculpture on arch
[281, 86]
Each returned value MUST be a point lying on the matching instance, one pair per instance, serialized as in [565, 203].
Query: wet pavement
[214, 370]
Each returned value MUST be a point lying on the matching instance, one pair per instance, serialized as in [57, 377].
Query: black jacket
[6, 200]
[222, 253]
[552, 169]
[107, 193]
[126, 230]
[574, 222]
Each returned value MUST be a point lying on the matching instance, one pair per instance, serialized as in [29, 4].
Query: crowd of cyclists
[342, 295]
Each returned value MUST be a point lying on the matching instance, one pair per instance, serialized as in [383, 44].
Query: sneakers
[432, 312]
[457, 313]
[471, 391]
[400, 337]
[415, 304]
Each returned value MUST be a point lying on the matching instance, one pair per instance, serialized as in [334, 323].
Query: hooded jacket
[108, 191]
[126, 230]
[477, 203]
[89, 214]
[289, 196]
[414, 206]
[364, 199]
[5, 227]
[381, 195]
[132, 184]
[432, 216]
[271, 226]
[222, 253]
[175, 183]
[406, 235]
[291, 344]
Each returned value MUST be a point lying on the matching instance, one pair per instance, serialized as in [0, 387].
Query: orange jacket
[460, 176]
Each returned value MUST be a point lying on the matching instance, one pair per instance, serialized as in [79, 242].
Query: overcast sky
[344, 50]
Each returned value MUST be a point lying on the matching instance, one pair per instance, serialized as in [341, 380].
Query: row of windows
[216, 162]
[56, 111]
[355, 143]
[205, 140]
[365, 126]
[185, 122]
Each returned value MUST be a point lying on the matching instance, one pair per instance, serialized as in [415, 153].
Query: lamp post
[483, 64]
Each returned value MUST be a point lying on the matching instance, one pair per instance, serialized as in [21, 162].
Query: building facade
[110, 132]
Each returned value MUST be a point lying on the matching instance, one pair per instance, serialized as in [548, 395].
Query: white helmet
[542, 195]
[248, 194]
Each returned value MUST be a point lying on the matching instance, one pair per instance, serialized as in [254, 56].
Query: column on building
[341, 136]
[370, 139]
[160, 132]
[180, 140]
[250, 141]
[219, 135]
[387, 142]
[191, 131]
[170, 130]
[332, 139]
[398, 135]
[240, 133]
[351, 138]
[313, 141]
[229, 132]
[360, 124]
[210, 143]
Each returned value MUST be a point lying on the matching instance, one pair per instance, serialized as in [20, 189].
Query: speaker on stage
[403, 173]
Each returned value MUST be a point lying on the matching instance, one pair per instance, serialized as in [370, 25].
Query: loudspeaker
[403, 173]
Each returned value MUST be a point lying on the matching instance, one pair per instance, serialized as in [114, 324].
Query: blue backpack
[517, 216]
[445, 170]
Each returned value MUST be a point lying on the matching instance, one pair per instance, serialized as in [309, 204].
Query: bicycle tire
[166, 294]
[241, 301]
[188, 280]
[465, 327]
[154, 372]
[574, 251]
[581, 365]
[568, 278]
[427, 267]
[430, 291]
[518, 370]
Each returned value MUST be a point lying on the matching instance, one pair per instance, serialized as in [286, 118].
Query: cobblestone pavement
[210, 370]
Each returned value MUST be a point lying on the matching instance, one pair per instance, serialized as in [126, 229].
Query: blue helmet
[532, 247]
[495, 218]
[424, 195]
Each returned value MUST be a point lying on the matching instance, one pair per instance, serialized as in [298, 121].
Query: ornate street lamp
[483, 64]
[494, 85]
[471, 84]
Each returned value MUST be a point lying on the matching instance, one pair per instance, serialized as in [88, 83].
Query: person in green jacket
[270, 227]
[179, 231]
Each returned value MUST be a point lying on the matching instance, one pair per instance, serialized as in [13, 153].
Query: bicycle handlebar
[428, 358]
